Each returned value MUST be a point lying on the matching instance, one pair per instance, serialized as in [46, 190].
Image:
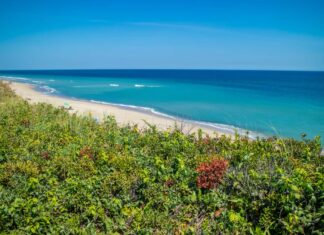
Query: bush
[211, 173]
[66, 174]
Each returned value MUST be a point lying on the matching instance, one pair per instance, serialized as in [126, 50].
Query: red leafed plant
[86, 152]
[45, 155]
[25, 122]
[210, 174]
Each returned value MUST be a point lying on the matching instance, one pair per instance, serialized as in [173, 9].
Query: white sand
[123, 116]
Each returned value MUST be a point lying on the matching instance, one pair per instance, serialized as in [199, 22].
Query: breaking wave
[114, 85]
[15, 78]
[47, 89]
[141, 85]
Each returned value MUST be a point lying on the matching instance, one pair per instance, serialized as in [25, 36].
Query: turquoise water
[272, 103]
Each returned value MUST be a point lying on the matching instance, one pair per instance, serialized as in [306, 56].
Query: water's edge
[218, 127]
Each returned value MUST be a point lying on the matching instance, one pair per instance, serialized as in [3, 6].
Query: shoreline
[123, 114]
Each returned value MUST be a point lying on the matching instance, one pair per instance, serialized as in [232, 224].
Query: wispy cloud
[176, 26]
[247, 32]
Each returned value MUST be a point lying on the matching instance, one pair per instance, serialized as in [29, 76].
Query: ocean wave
[150, 86]
[115, 85]
[97, 85]
[47, 89]
[15, 78]
[51, 80]
[87, 86]
[123, 105]
[37, 82]
[40, 85]
[163, 114]
[134, 107]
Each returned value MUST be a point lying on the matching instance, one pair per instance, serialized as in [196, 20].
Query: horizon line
[193, 69]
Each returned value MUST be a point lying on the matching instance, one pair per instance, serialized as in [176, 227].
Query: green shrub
[67, 174]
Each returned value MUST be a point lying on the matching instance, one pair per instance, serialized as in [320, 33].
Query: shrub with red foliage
[45, 155]
[210, 174]
[86, 152]
[169, 183]
[25, 122]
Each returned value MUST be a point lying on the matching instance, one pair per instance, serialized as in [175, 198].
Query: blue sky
[204, 34]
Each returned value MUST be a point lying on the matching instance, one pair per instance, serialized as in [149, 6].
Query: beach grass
[69, 174]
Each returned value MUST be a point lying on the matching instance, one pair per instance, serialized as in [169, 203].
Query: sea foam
[150, 86]
[114, 85]
[15, 78]
[47, 89]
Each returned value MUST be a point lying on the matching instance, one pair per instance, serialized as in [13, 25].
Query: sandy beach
[123, 116]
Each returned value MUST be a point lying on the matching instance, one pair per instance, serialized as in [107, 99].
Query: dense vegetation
[62, 173]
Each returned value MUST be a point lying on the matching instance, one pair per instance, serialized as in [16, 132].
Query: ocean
[283, 103]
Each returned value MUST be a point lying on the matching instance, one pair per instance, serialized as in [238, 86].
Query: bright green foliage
[64, 174]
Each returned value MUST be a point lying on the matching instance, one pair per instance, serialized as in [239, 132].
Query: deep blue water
[268, 102]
